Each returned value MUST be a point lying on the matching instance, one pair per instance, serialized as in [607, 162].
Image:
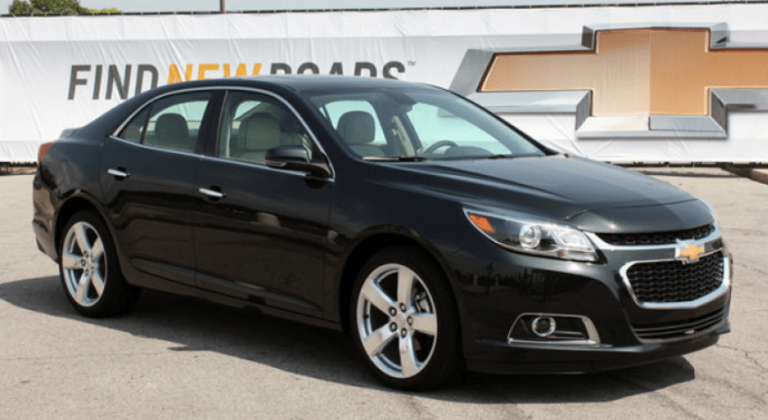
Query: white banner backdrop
[61, 72]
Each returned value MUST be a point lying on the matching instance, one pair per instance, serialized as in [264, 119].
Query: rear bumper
[43, 218]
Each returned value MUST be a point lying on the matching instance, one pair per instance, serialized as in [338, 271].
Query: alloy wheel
[396, 320]
[84, 264]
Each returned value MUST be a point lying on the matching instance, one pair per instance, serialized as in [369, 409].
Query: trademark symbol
[411, 63]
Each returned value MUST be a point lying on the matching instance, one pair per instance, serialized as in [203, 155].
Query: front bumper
[495, 288]
[529, 359]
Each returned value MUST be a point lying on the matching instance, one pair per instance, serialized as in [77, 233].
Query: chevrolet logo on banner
[626, 82]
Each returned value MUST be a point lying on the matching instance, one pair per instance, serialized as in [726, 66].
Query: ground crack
[74, 356]
[747, 355]
[656, 394]
[750, 268]
[421, 410]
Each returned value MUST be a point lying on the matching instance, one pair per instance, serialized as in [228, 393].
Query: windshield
[418, 124]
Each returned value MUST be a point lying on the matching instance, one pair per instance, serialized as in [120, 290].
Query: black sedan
[438, 235]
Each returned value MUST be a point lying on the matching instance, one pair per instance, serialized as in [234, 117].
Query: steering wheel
[439, 144]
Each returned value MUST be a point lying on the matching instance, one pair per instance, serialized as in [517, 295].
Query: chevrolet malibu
[438, 235]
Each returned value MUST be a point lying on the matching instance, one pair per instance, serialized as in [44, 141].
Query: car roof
[300, 83]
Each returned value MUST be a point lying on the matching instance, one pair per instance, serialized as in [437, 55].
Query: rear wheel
[90, 272]
[404, 319]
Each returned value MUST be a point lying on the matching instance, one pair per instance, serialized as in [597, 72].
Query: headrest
[356, 127]
[260, 131]
[172, 127]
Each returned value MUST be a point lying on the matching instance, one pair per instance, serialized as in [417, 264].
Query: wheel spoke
[425, 323]
[408, 316]
[81, 236]
[408, 361]
[97, 250]
[82, 288]
[373, 293]
[70, 261]
[405, 286]
[375, 343]
[97, 282]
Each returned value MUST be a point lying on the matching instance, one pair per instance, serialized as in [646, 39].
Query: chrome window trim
[599, 243]
[290, 107]
[156, 148]
[261, 166]
[115, 133]
[715, 294]
[593, 338]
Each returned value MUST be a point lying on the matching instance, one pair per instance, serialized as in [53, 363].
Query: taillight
[43, 150]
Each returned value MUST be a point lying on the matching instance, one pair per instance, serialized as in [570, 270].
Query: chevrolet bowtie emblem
[636, 81]
[690, 253]
[635, 71]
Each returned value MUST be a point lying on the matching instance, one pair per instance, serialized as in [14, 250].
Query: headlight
[534, 237]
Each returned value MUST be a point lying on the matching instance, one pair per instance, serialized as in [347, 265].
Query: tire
[404, 320]
[89, 269]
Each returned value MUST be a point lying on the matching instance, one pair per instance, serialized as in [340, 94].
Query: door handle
[212, 193]
[119, 173]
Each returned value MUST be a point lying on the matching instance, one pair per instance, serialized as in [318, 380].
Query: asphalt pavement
[181, 358]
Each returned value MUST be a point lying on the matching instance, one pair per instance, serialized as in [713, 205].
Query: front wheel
[90, 272]
[404, 320]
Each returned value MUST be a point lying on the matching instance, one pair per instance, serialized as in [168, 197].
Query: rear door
[147, 176]
[260, 232]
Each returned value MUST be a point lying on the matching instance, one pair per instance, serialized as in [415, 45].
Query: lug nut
[403, 333]
[392, 311]
[410, 321]
[393, 326]
[402, 307]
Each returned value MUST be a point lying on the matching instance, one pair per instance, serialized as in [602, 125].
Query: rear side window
[134, 131]
[171, 123]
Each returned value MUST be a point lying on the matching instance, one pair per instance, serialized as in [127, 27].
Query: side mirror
[295, 158]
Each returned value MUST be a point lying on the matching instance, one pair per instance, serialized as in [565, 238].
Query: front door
[260, 233]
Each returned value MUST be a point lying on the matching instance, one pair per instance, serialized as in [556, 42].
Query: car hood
[591, 195]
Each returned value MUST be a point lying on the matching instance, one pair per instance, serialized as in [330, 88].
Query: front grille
[673, 281]
[676, 329]
[657, 238]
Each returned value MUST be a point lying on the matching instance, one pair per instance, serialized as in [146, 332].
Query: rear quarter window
[172, 123]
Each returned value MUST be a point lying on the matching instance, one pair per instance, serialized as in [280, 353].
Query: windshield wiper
[499, 156]
[506, 156]
[396, 158]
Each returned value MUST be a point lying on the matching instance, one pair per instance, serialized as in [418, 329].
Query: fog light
[553, 329]
[543, 326]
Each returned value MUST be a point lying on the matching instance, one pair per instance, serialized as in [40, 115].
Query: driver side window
[252, 124]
